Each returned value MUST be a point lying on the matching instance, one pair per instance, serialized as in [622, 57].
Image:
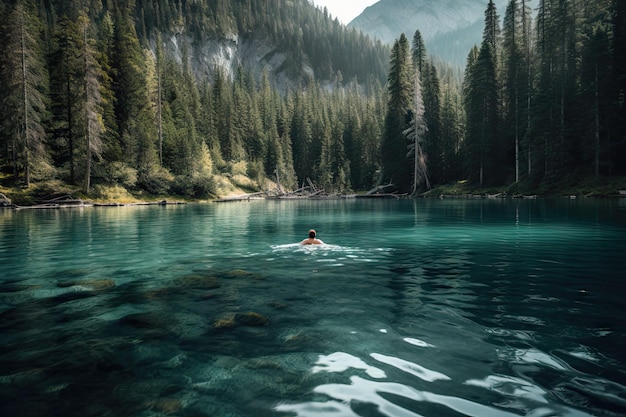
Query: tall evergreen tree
[433, 147]
[134, 117]
[482, 115]
[415, 134]
[556, 88]
[618, 50]
[516, 65]
[452, 129]
[93, 126]
[25, 77]
[65, 88]
[482, 102]
[301, 134]
[339, 164]
[430, 96]
[491, 32]
[595, 88]
[395, 166]
[112, 149]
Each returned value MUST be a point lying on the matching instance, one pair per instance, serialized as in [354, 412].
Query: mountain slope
[449, 27]
[292, 40]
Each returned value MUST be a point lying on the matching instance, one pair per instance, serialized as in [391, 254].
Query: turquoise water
[413, 308]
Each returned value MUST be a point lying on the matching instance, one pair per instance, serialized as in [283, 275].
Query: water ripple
[411, 368]
[381, 396]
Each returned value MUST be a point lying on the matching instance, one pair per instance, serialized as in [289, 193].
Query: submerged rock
[250, 319]
[165, 405]
[277, 305]
[160, 294]
[197, 281]
[90, 284]
[240, 273]
[224, 323]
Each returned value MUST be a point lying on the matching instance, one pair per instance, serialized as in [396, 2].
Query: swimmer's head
[312, 234]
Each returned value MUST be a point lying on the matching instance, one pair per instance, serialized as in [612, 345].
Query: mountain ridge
[449, 28]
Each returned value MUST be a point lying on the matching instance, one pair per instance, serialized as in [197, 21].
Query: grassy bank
[583, 187]
[225, 187]
[42, 191]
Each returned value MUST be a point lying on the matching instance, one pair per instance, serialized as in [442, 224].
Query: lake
[412, 308]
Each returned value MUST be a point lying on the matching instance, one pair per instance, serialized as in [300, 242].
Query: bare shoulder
[310, 241]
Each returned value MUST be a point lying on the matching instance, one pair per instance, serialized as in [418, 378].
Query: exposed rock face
[229, 52]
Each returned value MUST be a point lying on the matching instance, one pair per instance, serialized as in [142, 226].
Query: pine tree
[25, 77]
[112, 148]
[452, 128]
[66, 69]
[415, 134]
[430, 95]
[594, 127]
[93, 126]
[491, 33]
[516, 74]
[134, 117]
[158, 94]
[419, 52]
[220, 113]
[301, 135]
[481, 103]
[595, 88]
[483, 118]
[618, 50]
[339, 164]
[395, 166]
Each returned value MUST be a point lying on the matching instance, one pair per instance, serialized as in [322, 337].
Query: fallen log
[243, 197]
[5, 201]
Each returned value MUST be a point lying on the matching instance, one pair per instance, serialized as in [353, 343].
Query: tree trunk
[596, 147]
[24, 130]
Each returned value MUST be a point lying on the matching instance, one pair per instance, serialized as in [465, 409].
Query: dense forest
[103, 93]
[543, 101]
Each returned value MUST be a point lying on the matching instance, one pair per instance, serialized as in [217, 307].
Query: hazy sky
[344, 10]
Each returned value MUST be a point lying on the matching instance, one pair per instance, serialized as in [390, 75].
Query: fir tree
[415, 134]
[395, 166]
[93, 126]
[66, 69]
[618, 50]
[24, 102]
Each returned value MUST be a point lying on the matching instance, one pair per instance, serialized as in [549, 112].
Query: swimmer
[312, 240]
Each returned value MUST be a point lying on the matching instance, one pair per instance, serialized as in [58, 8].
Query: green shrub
[116, 173]
[194, 187]
[157, 181]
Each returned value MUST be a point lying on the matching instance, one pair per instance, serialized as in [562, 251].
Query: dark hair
[312, 234]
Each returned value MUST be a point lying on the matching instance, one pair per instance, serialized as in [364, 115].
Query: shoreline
[244, 198]
[60, 196]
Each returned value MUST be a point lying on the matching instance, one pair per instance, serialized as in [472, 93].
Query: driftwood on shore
[5, 201]
[309, 191]
[383, 191]
[243, 197]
